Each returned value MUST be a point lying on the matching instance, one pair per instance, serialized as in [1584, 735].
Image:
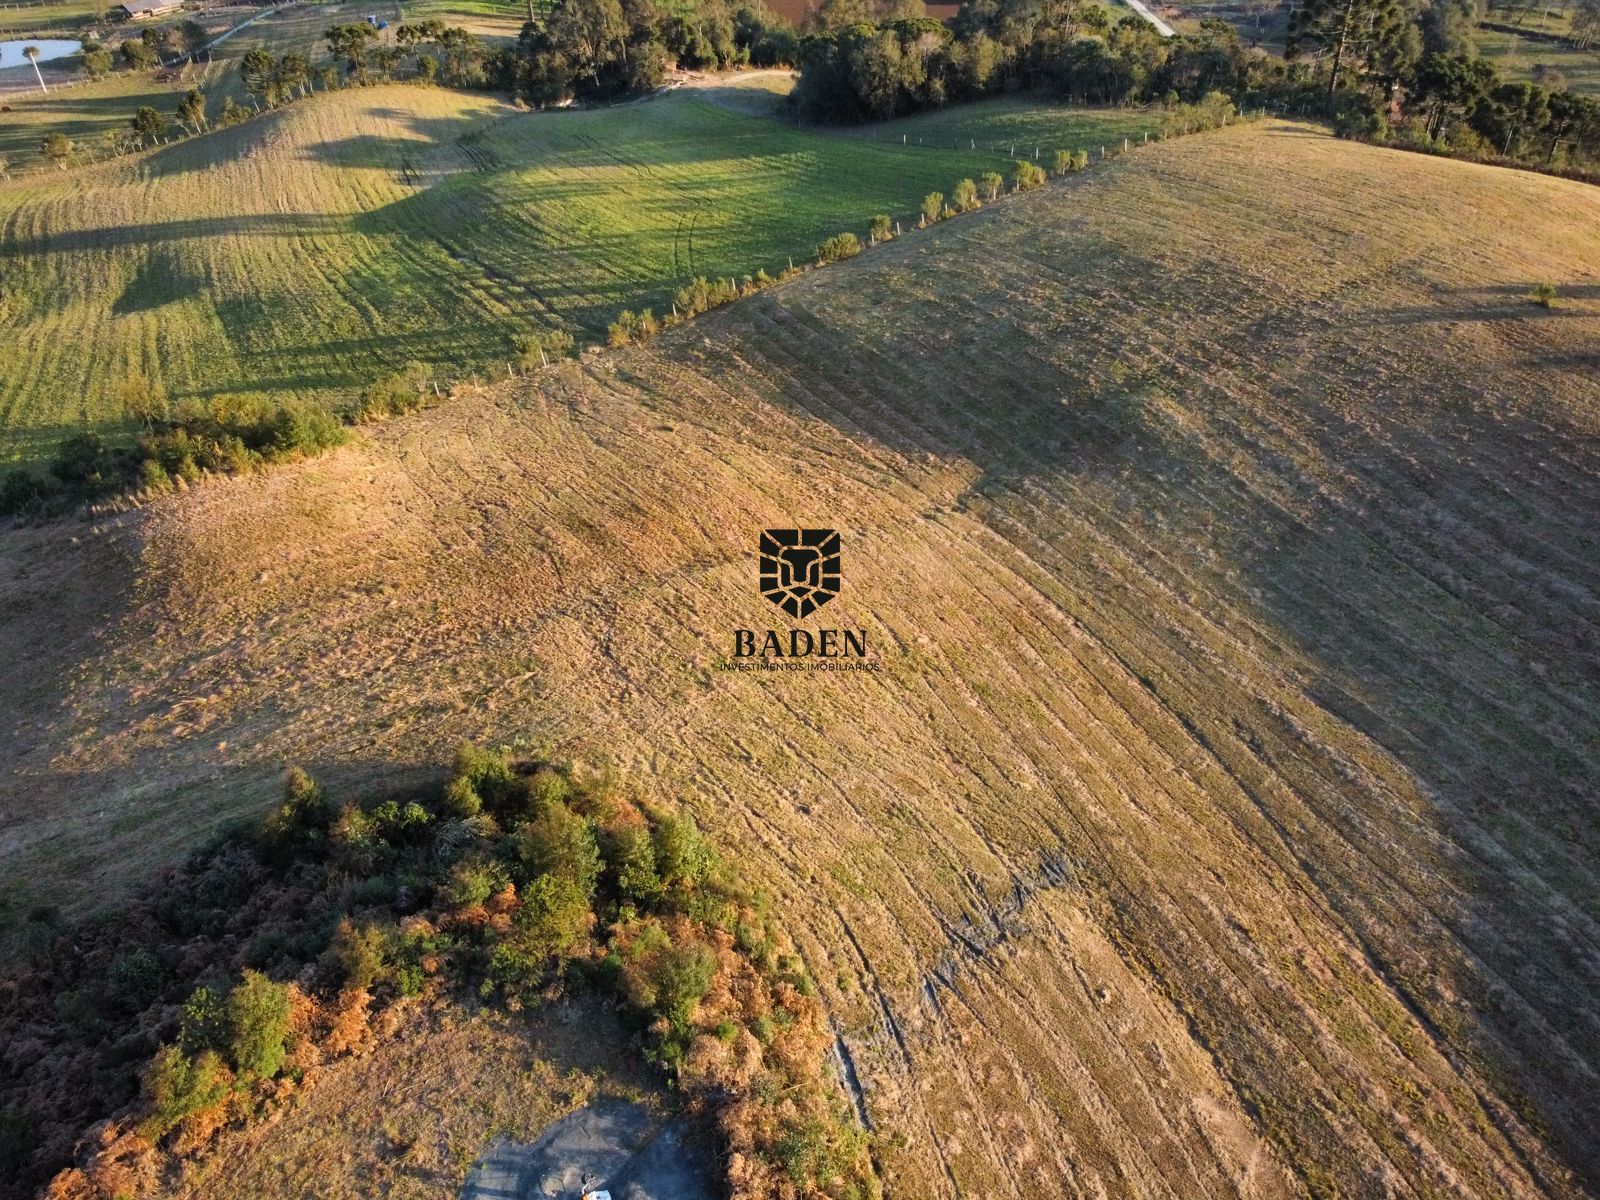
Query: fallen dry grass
[1221, 822]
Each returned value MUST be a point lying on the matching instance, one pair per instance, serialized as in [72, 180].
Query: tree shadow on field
[63, 588]
[196, 155]
[1423, 543]
[1450, 608]
[263, 225]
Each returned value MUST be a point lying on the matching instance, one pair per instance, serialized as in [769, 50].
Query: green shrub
[269, 947]
[839, 246]
[932, 203]
[471, 882]
[134, 979]
[303, 430]
[1543, 294]
[547, 786]
[700, 295]
[301, 820]
[632, 857]
[632, 327]
[1027, 175]
[487, 773]
[258, 1025]
[965, 196]
[354, 841]
[671, 980]
[880, 230]
[399, 824]
[394, 395]
[361, 953]
[83, 461]
[559, 842]
[553, 916]
[176, 1086]
[25, 493]
[681, 853]
[537, 349]
[991, 184]
[803, 1151]
[460, 800]
[205, 1023]
[1062, 162]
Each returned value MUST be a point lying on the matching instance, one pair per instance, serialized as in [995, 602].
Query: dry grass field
[1221, 821]
[410, 1118]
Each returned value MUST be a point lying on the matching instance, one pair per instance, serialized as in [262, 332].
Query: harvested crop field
[1221, 819]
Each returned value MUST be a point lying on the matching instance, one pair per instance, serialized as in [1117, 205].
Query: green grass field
[1516, 57]
[307, 252]
[17, 19]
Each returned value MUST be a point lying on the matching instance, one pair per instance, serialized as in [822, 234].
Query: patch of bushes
[1069, 161]
[1543, 294]
[27, 493]
[1027, 175]
[701, 295]
[540, 349]
[227, 435]
[393, 395]
[513, 882]
[1214, 110]
[881, 228]
[176, 1087]
[840, 246]
[632, 327]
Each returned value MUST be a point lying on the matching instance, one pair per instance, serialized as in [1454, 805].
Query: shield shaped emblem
[799, 568]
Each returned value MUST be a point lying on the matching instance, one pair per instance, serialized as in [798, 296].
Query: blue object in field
[383, 24]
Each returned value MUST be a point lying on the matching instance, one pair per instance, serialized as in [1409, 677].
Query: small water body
[11, 52]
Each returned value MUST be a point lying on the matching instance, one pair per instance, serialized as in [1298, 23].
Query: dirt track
[1221, 822]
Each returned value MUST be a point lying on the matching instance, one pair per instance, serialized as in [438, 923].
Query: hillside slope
[1222, 819]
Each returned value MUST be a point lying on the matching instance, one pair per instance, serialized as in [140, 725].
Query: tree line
[1382, 69]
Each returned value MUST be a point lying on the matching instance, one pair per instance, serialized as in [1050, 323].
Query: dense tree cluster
[1068, 48]
[280, 948]
[1390, 68]
[593, 49]
[1381, 68]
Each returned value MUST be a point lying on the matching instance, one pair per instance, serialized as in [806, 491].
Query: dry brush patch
[1221, 820]
[216, 1000]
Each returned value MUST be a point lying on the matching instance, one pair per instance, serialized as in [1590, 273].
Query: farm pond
[49, 48]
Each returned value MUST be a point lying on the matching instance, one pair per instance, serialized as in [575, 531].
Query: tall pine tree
[1364, 35]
